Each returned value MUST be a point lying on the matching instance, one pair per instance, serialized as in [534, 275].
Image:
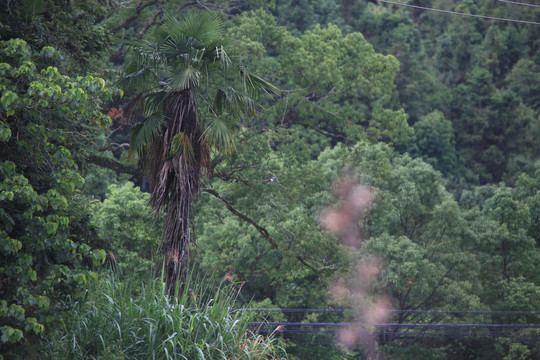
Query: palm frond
[218, 132]
[186, 78]
[222, 57]
[138, 78]
[202, 25]
[154, 102]
[179, 142]
[230, 100]
[174, 46]
[146, 51]
[186, 35]
[254, 85]
[142, 134]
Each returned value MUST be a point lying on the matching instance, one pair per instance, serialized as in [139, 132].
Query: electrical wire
[459, 334]
[405, 329]
[469, 312]
[286, 310]
[519, 3]
[490, 334]
[420, 334]
[491, 330]
[400, 325]
[453, 312]
[459, 13]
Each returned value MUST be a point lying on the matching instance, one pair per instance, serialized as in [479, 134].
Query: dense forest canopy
[389, 175]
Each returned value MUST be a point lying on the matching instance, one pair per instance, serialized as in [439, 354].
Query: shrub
[114, 322]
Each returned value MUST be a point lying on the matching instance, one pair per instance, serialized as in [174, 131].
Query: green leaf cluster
[333, 82]
[128, 231]
[44, 239]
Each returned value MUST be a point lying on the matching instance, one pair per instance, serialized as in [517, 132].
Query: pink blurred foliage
[343, 220]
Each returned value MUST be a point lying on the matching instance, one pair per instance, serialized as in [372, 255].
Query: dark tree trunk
[175, 174]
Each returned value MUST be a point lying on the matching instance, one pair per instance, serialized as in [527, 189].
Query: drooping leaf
[142, 134]
[219, 133]
[181, 142]
[187, 78]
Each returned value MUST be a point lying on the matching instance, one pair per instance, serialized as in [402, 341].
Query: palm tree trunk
[178, 238]
[176, 182]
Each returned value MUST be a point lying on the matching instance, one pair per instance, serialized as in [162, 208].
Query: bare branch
[204, 5]
[259, 228]
[320, 131]
[150, 24]
[113, 165]
[140, 7]
[114, 147]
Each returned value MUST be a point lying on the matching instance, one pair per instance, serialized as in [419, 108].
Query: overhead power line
[519, 3]
[460, 334]
[400, 325]
[460, 13]
[404, 329]
[409, 334]
[285, 310]
[522, 331]
[453, 312]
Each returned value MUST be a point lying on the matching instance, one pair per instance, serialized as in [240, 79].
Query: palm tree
[190, 97]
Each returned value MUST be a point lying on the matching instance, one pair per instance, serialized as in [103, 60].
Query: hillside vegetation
[173, 172]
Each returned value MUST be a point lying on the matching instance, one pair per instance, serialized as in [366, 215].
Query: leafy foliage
[123, 222]
[70, 27]
[44, 239]
[353, 74]
[335, 83]
[115, 324]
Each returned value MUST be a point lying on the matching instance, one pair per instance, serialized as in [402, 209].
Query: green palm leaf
[254, 85]
[219, 133]
[138, 77]
[142, 134]
[154, 102]
[202, 25]
[187, 78]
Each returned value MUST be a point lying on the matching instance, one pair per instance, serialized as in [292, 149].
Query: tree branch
[203, 5]
[150, 24]
[227, 177]
[113, 165]
[115, 57]
[259, 228]
[140, 7]
[307, 265]
[114, 147]
[325, 133]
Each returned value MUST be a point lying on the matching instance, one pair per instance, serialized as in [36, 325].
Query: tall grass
[114, 322]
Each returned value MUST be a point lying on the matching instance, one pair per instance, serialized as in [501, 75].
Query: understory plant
[116, 322]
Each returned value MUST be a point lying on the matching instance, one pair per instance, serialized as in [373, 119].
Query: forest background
[397, 169]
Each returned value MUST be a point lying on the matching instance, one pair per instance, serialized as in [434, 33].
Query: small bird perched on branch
[272, 179]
